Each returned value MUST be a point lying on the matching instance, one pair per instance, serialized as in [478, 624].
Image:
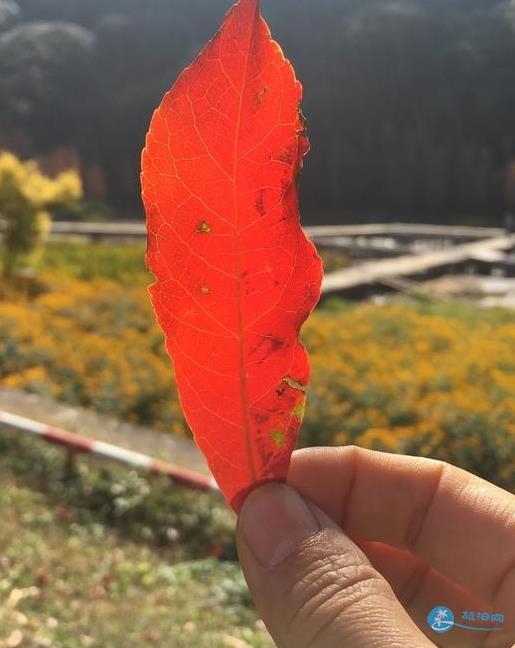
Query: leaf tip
[250, 6]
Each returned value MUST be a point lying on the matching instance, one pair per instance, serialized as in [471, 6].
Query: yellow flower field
[393, 378]
[396, 379]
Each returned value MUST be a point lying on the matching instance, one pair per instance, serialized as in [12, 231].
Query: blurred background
[408, 193]
[410, 103]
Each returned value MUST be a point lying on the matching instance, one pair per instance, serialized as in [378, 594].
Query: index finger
[461, 525]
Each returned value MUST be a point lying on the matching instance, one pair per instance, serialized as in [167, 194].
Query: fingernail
[274, 521]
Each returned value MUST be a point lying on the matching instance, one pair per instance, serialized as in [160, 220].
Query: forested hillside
[410, 103]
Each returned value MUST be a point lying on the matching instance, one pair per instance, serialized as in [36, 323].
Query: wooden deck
[454, 244]
[403, 230]
[407, 266]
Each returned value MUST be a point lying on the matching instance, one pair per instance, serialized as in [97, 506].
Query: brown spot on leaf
[275, 344]
[260, 202]
[268, 345]
[303, 121]
[288, 155]
[281, 389]
[294, 384]
[261, 94]
[299, 410]
[278, 437]
[204, 227]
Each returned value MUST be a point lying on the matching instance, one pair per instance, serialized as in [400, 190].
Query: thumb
[312, 585]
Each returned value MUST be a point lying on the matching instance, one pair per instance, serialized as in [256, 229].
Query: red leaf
[235, 275]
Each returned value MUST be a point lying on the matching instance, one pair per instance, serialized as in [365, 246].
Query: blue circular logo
[440, 619]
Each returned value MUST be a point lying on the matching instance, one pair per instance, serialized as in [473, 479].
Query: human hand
[418, 534]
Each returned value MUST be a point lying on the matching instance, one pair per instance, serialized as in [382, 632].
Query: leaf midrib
[241, 357]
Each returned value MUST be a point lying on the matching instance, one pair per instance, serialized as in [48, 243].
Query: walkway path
[177, 450]
[407, 266]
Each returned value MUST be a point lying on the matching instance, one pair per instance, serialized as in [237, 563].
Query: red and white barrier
[76, 443]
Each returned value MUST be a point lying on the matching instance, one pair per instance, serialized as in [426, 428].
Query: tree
[8, 11]
[45, 75]
[400, 128]
[26, 198]
[509, 187]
